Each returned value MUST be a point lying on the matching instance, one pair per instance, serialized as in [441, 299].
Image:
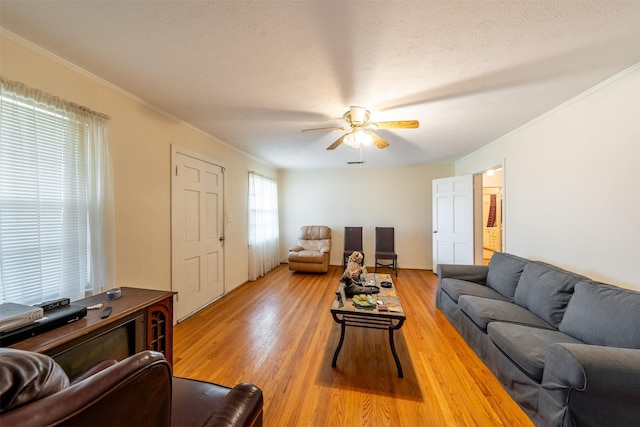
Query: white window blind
[264, 232]
[55, 191]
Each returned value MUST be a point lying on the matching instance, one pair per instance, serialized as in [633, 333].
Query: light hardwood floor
[278, 333]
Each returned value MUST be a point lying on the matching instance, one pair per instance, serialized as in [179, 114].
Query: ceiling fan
[362, 129]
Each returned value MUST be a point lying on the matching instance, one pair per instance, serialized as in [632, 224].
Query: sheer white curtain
[56, 198]
[263, 225]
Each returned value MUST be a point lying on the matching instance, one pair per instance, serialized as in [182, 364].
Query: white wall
[572, 176]
[397, 197]
[140, 143]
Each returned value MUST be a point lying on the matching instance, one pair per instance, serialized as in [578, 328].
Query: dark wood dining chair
[352, 242]
[386, 249]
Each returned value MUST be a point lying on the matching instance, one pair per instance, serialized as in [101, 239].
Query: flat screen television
[117, 343]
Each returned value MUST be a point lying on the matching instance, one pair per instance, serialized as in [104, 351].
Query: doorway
[468, 218]
[490, 214]
[197, 234]
[453, 220]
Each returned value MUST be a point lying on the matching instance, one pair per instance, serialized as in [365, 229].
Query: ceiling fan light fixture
[362, 130]
[357, 138]
[363, 137]
[350, 140]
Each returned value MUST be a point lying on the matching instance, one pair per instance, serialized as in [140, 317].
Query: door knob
[221, 238]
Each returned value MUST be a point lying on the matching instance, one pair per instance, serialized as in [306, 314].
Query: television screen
[115, 344]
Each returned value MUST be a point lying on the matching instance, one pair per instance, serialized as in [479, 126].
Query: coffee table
[346, 313]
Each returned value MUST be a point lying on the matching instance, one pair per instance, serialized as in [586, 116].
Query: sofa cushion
[27, 376]
[504, 273]
[525, 345]
[456, 288]
[546, 290]
[603, 314]
[482, 311]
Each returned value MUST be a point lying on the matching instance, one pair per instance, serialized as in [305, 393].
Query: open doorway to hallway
[492, 213]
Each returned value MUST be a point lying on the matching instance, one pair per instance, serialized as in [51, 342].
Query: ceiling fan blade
[401, 124]
[337, 143]
[379, 142]
[331, 128]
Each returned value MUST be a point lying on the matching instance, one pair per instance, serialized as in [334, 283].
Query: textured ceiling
[254, 73]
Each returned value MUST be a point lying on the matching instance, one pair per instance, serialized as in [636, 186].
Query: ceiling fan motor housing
[357, 116]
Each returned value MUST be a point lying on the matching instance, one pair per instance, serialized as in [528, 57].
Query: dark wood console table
[155, 308]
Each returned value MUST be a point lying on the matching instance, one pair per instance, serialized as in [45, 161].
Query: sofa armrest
[325, 250]
[296, 249]
[592, 384]
[593, 369]
[241, 407]
[472, 273]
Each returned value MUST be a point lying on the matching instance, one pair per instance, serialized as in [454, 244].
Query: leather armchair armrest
[242, 407]
[296, 249]
[325, 250]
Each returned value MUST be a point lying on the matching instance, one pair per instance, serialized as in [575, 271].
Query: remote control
[105, 313]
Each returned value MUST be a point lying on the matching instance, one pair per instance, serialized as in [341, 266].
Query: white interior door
[197, 234]
[453, 220]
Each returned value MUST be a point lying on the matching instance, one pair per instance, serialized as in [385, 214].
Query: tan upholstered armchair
[312, 251]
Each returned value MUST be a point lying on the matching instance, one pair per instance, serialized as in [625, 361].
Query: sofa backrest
[504, 273]
[545, 290]
[602, 314]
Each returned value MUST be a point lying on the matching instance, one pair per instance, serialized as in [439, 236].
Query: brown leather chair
[312, 251]
[138, 391]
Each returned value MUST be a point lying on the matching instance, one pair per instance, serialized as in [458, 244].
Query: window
[56, 209]
[264, 233]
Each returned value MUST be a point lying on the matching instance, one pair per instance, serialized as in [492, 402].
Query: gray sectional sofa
[566, 348]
